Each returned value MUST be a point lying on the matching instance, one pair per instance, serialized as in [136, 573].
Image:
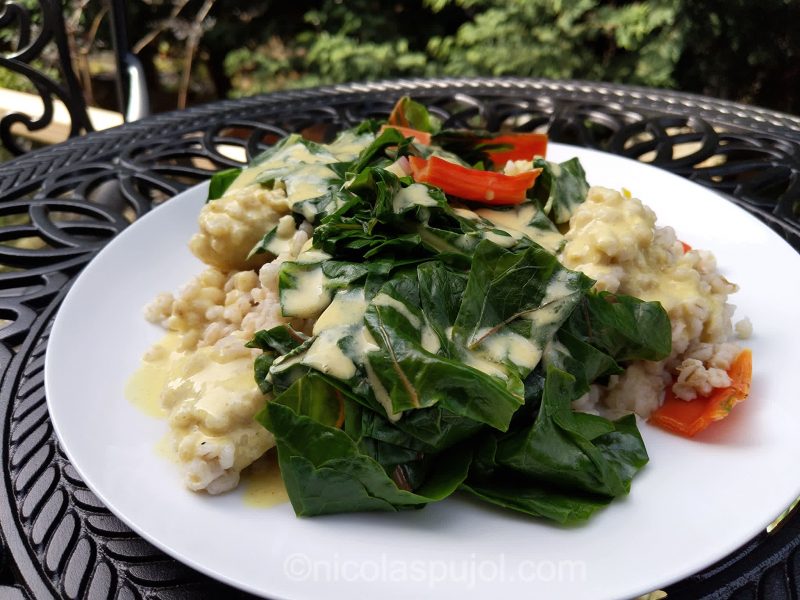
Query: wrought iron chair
[130, 83]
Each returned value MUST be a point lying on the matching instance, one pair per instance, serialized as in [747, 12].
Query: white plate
[694, 503]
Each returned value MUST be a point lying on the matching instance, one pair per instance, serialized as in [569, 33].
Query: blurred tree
[638, 42]
[635, 42]
[198, 50]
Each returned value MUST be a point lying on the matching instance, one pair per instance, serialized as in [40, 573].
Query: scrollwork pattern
[29, 47]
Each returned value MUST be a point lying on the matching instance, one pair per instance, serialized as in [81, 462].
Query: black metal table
[61, 205]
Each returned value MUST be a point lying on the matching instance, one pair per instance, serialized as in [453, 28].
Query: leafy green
[415, 377]
[324, 469]
[408, 113]
[534, 500]
[475, 147]
[220, 182]
[565, 466]
[623, 327]
[373, 152]
[281, 338]
[560, 188]
[447, 353]
[524, 295]
[573, 451]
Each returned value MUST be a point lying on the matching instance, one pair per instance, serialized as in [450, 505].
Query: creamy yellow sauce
[313, 182]
[293, 154]
[348, 308]
[167, 448]
[326, 356]
[414, 195]
[389, 302]
[217, 382]
[349, 145]
[143, 389]
[308, 256]
[476, 361]
[262, 483]
[203, 401]
[512, 347]
[312, 176]
[516, 223]
[310, 296]
[168, 373]
[283, 234]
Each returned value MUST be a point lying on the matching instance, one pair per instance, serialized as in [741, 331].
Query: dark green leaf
[281, 338]
[261, 366]
[531, 499]
[623, 327]
[375, 151]
[526, 294]
[415, 377]
[572, 451]
[408, 113]
[325, 471]
[560, 188]
[220, 182]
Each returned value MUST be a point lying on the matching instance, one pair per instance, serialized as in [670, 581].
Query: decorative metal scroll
[34, 31]
[62, 205]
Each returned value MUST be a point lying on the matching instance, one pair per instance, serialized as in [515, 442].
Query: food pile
[410, 310]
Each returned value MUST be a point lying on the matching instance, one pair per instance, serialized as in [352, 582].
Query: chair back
[35, 32]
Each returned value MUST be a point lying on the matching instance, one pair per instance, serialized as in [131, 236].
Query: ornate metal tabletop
[61, 205]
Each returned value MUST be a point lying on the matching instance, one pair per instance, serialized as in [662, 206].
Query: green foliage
[586, 39]
[636, 42]
[334, 58]
[736, 49]
[714, 46]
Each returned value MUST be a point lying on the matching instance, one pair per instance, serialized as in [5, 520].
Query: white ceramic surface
[695, 502]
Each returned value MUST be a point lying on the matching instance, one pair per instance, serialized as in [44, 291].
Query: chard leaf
[560, 188]
[331, 201]
[525, 293]
[279, 149]
[340, 274]
[375, 151]
[220, 182]
[508, 489]
[474, 147]
[415, 377]
[582, 360]
[326, 471]
[287, 368]
[408, 113]
[573, 451]
[427, 429]
[261, 366]
[440, 292]
[623, 327]
[534, 500]
[281, 339]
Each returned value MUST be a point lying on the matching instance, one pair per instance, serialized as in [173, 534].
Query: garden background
[199, 50]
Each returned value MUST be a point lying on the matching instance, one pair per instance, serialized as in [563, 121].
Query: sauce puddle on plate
[143, 389]
[262, 483]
